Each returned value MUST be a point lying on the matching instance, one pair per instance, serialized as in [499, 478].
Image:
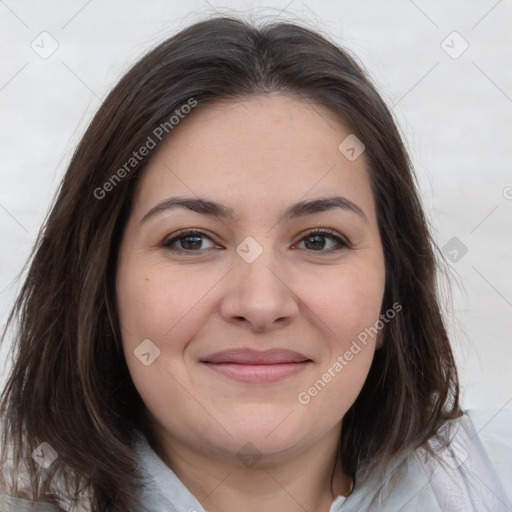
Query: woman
[232, 303]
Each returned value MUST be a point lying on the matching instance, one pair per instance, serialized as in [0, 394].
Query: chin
[266, 436]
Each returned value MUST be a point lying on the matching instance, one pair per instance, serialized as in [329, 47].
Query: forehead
[270, 147]
[268, 124]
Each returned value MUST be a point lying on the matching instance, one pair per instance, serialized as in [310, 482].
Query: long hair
[70, 386]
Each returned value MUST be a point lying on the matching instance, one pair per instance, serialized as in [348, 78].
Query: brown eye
[187, 241]
[316, 241]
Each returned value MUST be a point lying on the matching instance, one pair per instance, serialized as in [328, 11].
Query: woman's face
[243, 332]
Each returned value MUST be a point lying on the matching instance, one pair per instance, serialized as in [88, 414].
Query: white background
[455, 114]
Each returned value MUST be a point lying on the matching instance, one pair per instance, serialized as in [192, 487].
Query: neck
[310, 480]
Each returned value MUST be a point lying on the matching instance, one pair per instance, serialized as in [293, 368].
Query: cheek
[141, 304]
[348, 301]
[154, 302]
[349, 307]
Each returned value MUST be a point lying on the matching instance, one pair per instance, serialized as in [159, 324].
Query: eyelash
[184, 233]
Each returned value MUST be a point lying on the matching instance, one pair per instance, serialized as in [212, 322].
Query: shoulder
[494, 431]
[468, 467]
[11, 503]
[475, 462]
[463, 474]
[460, 471]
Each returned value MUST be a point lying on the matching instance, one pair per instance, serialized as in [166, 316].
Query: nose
[259, 294]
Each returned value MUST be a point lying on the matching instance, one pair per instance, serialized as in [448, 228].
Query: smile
[253, 366]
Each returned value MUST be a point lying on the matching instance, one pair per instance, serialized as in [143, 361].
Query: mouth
[253, 366]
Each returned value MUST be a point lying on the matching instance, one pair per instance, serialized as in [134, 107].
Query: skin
[257, 155]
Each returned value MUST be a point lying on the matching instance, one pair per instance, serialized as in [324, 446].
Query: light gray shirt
[462, 480]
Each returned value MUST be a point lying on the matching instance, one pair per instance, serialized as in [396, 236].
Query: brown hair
[70, 385]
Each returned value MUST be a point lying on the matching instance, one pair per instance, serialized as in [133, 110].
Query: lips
[254, 366]
[255, 357]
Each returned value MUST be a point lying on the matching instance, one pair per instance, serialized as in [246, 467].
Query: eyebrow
[217, 210]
